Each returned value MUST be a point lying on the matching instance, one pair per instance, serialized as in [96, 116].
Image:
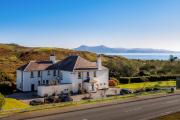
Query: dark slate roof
[76, 63]
[23, 67]
[70, 63]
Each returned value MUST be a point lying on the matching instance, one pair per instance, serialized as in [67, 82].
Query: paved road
[140, 110]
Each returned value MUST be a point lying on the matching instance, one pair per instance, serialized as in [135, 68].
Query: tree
[2, 101]
[172, 58]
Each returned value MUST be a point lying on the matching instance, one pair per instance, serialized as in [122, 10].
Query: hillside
[13, 56]
[105, 49]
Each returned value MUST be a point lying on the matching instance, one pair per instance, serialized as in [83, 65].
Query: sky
[71, 23]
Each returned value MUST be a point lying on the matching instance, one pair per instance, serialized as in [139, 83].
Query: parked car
[52, 99]
[125, 91]
[148, 89]
[65, 98]
[35, 102]
[138, 91]
[156, 89]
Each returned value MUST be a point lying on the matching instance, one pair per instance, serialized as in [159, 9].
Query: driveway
[29, 96]
[25, 97]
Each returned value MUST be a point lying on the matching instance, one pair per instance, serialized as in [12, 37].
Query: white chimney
[52, 57]
[99, 62]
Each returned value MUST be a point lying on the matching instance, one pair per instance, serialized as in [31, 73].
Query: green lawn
[14, 104]
[134, 86]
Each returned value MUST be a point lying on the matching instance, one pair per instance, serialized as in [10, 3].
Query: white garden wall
[57, 89]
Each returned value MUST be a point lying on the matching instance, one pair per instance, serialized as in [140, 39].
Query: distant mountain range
[105, 49]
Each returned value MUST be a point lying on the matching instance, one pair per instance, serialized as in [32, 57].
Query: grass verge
[11, 104]
[134, 86]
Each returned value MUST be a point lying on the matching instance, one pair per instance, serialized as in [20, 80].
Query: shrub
[124, 80]
[117, 81]
[2, 101]
[113, 83]
[6, 88]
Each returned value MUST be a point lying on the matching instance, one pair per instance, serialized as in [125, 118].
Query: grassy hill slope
[13, 56]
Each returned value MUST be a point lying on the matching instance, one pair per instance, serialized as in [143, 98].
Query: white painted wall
[71, 77]
[57, 89]
[87, 87]
[103, 78]
[68, 77]
[27, 80]
[19, 79]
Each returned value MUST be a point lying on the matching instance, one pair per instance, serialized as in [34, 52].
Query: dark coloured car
[148, 89]
[138, 91]
[125, 91]
[35, 102]
[65, 98]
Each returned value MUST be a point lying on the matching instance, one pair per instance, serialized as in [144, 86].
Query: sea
[146, 56]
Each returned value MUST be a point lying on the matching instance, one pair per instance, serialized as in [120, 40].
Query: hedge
[154, 78]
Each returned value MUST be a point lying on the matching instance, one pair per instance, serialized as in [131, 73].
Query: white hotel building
[74, 73]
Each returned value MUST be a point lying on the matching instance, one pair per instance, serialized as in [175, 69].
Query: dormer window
[32, 74]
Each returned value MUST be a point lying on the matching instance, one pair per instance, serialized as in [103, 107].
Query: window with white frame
[60, 75]
[47, 82]
[48, 72]
[54, 72]
[79, 75]
[95, 75]
[39, 82]
[39, 73]
[87, 75]
[32, 74]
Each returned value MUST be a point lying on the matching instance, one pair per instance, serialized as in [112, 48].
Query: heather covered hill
[105, 49]
[13, 56]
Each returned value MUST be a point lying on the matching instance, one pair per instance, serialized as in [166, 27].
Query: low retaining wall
[53, 89]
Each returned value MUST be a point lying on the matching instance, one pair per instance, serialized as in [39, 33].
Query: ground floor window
[48, 72]
[95, 74]
[47, 82]
[54, 72]
[39, 82]
[87, 74]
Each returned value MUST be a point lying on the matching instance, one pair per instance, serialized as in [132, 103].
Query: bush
[6, 88]
[2, 101]
[117, 81]
[126, 80]
[4, 77]
[113, 83]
